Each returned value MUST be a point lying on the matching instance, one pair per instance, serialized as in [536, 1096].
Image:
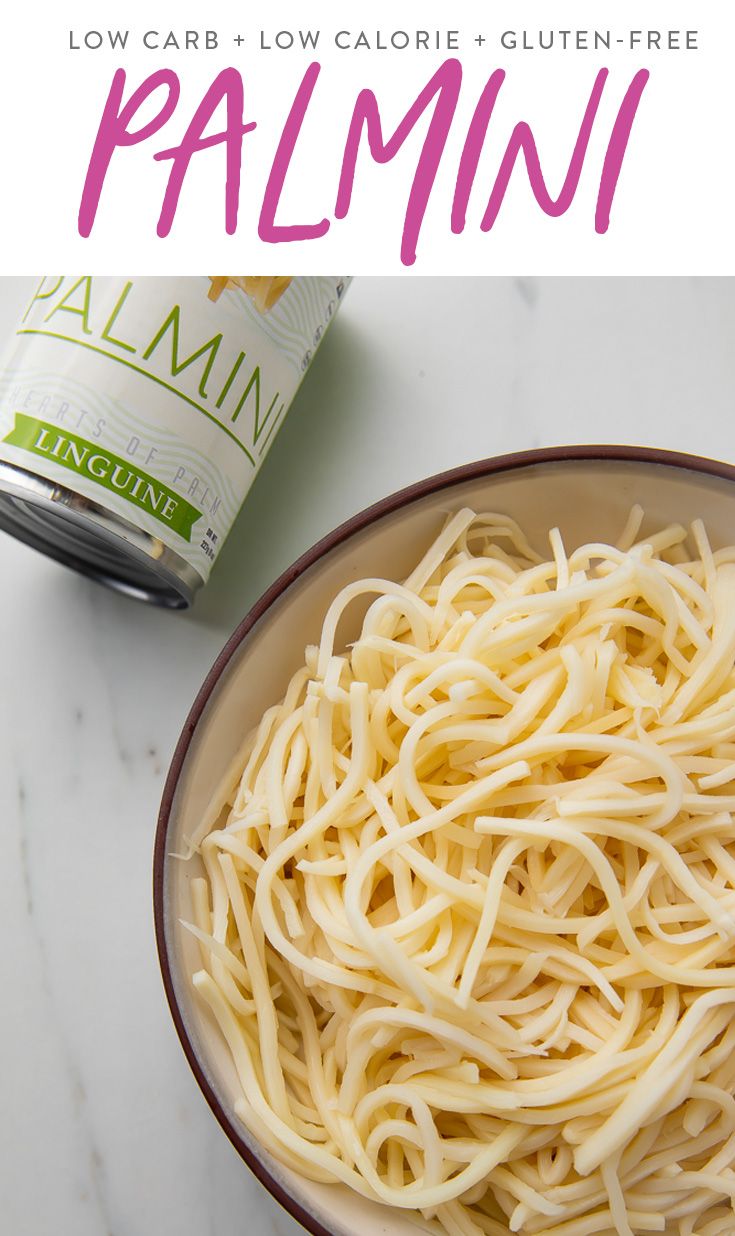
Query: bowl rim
[516, 461]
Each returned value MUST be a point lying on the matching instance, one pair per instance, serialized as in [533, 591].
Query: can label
[159, 398]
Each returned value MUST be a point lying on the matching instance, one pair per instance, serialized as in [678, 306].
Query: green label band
[110, 472]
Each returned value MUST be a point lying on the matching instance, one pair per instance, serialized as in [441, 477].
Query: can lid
[85, 536]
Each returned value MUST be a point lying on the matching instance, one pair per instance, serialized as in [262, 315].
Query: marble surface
[104, 1132]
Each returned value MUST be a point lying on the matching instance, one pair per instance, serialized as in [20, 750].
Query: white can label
[159, 398]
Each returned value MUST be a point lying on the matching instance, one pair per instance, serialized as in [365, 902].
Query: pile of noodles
[468, 921]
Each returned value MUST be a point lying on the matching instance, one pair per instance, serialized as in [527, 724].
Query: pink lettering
[445, 85]
[472, 149]
[437, 100]
[114, 131]
[268, 229]
[522, 139]
[616, 149]
[227, 87]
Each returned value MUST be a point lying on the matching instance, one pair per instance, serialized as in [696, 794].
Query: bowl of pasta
[444, 878]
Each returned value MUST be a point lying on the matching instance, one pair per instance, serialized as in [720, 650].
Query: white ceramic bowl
[587, 492]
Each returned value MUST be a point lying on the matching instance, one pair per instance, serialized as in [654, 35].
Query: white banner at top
[591, 136]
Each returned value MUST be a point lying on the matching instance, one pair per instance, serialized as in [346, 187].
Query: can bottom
[85, 536]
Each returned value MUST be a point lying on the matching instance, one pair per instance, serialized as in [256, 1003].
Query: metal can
[136, 412]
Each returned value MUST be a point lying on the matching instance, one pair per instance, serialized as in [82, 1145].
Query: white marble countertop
[104, 1131]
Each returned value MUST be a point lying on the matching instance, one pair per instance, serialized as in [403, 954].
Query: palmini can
[136, 412]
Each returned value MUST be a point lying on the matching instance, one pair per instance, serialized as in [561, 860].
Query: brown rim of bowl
[386, 506]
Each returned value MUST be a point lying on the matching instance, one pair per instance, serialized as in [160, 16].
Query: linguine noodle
[468, 914]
